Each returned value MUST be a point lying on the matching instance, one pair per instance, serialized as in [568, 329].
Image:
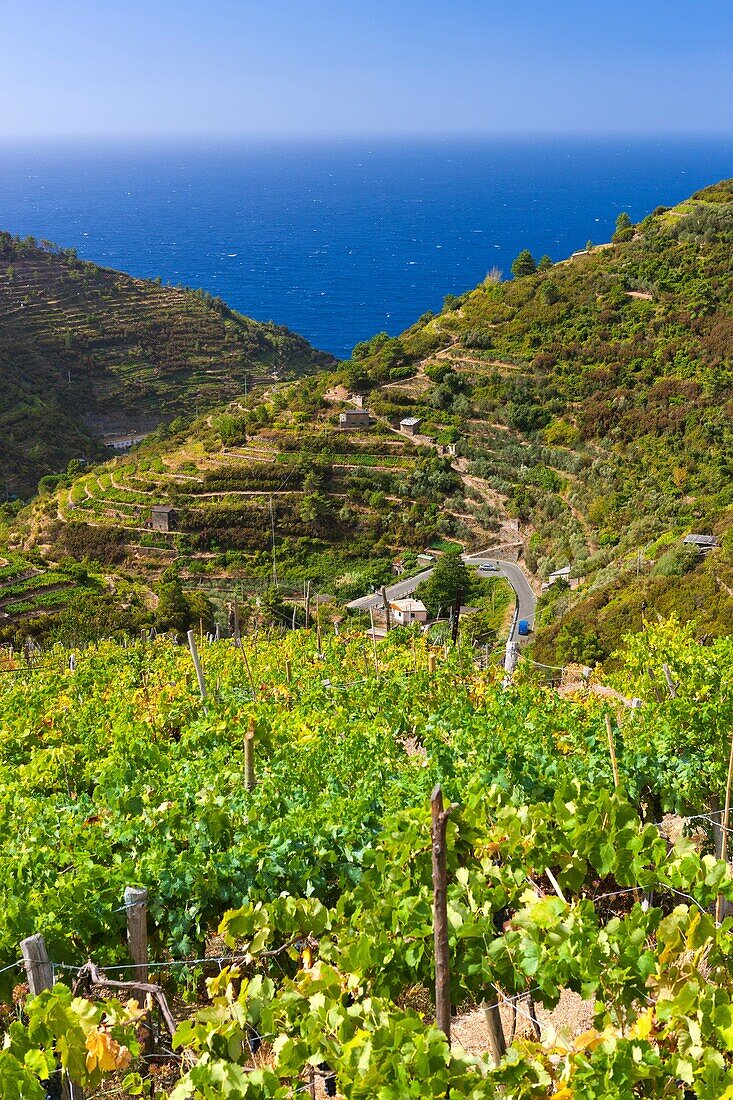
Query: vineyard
[314, 922]
[129, 352]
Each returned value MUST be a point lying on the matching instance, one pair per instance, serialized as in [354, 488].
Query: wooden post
[36, 962]
[440, 911]
[136, 907]
[497, 1041]
[307, 604]
[197, 664]
[671, 686]
[40, 977]
[431, 662]
[237, 629]
[249, 673]
[249, 758]
[612, 749]
[288, 671]
[720, 905]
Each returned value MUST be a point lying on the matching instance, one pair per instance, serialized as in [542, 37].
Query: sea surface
[343, 239]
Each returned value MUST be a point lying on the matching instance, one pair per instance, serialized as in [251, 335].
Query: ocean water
[343, 239]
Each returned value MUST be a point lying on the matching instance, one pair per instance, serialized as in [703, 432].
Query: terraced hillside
[269, 489]
[592, 401]
[577, 417]
[86, 352]
[28, 589]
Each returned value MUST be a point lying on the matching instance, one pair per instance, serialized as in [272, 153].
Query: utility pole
[385, 604]
[456, 615]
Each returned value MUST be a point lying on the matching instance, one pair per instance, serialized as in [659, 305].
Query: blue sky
[355, 67]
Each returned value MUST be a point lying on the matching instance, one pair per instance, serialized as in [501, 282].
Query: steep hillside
[87, 352]
[578, 416]
[594, 397]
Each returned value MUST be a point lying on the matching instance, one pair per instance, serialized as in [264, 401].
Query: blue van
[523, 628]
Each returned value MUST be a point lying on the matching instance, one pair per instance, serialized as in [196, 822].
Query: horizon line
[285, 136]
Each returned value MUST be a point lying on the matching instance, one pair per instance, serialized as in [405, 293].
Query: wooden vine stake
[38, 969]
[431, 662]
[288, 671]
[39, 972]
[197, 664]
[612, 749]
[136, 907]
[440, 911]
[497, 1040]
[249, 757]
[720, 905]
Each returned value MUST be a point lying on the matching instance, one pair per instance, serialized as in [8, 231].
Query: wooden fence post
[440, 911]
[431, 662]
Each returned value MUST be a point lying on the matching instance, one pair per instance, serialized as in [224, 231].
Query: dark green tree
[545, 263]
[624, 228]
[449, 578]
[272, 608]
[524, 264]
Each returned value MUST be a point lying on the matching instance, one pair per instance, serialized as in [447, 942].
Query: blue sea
[343, 239]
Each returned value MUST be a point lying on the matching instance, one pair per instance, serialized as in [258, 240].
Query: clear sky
[354, 67]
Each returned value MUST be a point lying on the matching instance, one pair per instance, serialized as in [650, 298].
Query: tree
[550, 292]
[450, 578]
[624, 228]
[178, 610]
[272, 607]
[579, 644]
[545, 263]
[524, 264]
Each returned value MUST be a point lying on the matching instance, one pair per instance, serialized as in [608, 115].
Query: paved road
[513, 573]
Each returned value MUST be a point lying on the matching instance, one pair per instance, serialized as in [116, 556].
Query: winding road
[526, 599]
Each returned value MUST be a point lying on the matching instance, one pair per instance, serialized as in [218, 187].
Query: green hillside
[87, 352]
[595, 398]
[576, 416]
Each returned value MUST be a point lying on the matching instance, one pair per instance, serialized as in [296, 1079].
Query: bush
[676, 562]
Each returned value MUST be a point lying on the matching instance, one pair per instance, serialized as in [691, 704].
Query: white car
[488, 567]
